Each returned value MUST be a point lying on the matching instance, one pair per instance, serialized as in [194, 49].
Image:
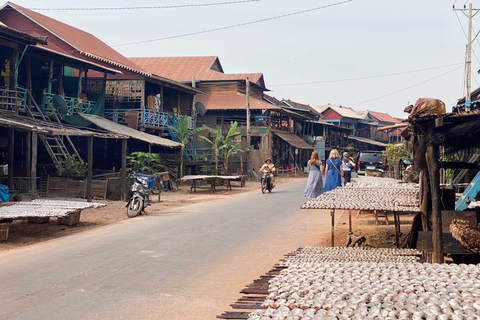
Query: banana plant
[183, 135]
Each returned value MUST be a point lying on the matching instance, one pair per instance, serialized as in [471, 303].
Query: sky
[363, 54]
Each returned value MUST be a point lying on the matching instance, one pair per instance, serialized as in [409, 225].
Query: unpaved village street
[184, 263]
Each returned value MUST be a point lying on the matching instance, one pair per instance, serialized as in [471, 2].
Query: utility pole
[468, 64]
[249, 133]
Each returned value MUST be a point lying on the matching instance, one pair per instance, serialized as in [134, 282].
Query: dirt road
[181, 263]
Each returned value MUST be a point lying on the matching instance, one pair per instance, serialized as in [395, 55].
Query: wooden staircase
[54, 144]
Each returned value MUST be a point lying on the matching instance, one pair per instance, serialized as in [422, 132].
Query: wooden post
[123, 170]
[33, 168]
[249, 132]
[332, 213]
[28, 154]
[350, 221]
[90, 168]
[142, 100]
[60, 81]
[29, 81]
[425, 198]
[178, 104]
[433, 172]
[11, 158]
[50, 76]
[194, 99]
[79, 88]
[162, 100]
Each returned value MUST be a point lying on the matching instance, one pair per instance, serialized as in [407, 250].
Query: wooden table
[211, 179]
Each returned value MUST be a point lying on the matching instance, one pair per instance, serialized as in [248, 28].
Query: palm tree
[183, 135]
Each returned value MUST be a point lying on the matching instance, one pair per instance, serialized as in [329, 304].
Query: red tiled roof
[231, 101]
[86, 43]
[184, 68]
[385, 117]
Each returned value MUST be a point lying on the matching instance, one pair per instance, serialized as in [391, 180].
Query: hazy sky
[359, 39]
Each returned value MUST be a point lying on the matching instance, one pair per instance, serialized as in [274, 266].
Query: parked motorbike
[141, 188]
[265, 181]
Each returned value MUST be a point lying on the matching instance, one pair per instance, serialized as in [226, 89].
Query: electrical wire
[366, 77]
[146, 8]
[404, 89]
[233, 26]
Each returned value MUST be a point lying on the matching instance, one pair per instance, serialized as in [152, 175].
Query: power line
[363, 78]
[415, 85]
[233, 26]
[147, 8]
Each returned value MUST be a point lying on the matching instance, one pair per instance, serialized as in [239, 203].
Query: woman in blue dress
[315, 181]
[334, 171]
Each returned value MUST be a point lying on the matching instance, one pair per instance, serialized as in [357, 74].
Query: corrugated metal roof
[84, 42]
[368, 141]
[124, 130]
[231, 101]
[343, 111]
[185, 68]
[9, 119]
[293, 140]
[385, 117]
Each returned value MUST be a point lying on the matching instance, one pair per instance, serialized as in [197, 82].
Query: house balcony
[147, 118]
[74, 105]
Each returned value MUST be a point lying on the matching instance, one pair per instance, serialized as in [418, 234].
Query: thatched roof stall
[429, 127]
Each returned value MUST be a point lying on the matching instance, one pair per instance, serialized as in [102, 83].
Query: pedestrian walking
[334, 171]
[347, 166]
[314, 186]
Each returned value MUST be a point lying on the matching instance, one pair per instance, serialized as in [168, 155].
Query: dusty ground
[23, 234]
[380, 236]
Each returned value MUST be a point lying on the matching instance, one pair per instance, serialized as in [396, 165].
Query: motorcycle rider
[271, 167]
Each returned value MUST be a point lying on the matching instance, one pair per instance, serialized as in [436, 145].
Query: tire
[264, 186]
[135, 207]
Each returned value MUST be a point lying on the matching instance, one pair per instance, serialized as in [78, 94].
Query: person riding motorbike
[271, 167]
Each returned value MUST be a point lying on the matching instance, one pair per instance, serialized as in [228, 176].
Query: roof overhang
[9, 119]
[368, 141]
[293, 140]
[130, 132]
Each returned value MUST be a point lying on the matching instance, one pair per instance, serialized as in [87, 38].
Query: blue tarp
[4, 194]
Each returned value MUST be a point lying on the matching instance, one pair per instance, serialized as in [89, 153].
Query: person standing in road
[315, 181]
[334, 171]
[347, 166]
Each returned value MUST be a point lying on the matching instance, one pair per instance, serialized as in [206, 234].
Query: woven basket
[70, 220]
[38, 220]
[4, 227]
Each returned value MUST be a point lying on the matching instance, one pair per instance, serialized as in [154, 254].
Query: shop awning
[368, 141]
[293, 140]
[132, 133]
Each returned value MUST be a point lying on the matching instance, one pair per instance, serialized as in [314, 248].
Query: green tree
[392, 156]
[144, 162]
[183, 135]
[216, 143]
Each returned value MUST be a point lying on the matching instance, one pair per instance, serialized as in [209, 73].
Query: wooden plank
[434, 175]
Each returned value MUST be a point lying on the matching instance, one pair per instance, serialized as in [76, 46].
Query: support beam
[33, 170]
[123, 172]
[332, 213]
[28, 153]
[425, 200]
[11, 158]
[433, 173]
[194, 99]
[89, 168]
[29, 80]
[50, 76]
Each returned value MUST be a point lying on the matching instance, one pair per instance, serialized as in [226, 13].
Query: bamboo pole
[11, 157]
[332, 213]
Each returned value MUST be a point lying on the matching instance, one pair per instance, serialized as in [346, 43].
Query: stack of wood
[468, 236]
